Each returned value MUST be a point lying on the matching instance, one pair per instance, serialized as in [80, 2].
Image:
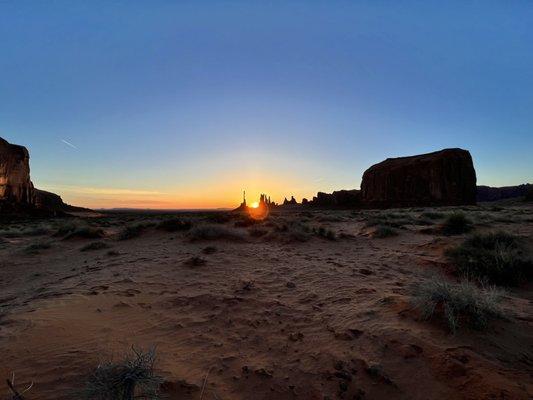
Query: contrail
[69, 144]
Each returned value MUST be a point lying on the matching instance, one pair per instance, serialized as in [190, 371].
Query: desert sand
[265, 314]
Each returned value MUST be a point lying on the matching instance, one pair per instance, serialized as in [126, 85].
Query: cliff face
[442, 178]
[15, 183]
[17, 194]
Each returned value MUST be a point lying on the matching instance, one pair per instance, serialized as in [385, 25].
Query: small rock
[296, 336]
[264, 372]
[343, 375]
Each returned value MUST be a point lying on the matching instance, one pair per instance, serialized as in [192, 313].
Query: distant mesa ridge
[487, 193]
[17, 193]
[441, 178]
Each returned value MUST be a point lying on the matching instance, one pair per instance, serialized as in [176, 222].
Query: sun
[254, 204]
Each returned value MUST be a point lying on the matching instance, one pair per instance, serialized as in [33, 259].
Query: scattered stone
[248, 285]
[122, 304]
[343, 386]
[376, 372]
[209, 250]
[343, 375]
[348, 334]
[295, 337]
[195, 262]
[411, 351]
[264, 372]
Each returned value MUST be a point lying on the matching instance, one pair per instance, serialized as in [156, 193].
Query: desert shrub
[459, 303]
[66, 227]
[392, 215]
[432, 215]
[213, 232]
[37, 231]
[95, 246]
[529, 195]
[390, 219]
[325, 233]
[209, 250]
[246, 221]
[331, 218]
[297, 236]
[11, 233]
[134, 230]
[218, 218]
[256, 231]
[34, 248]
[195, 261]
[424, 221]
[85, 232]
[30, 231]
[133, 378]
[384, 231]
[456, 224]
[499, 258]
[174, 225]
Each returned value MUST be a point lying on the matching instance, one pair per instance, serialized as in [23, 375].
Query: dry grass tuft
[214, 232]
[133, 230]
[174, 225]
[133, 378]
[325, 233]
[456, 224]
[384, 231]
[36, 248]
[498, 258]
[459, 303]
[95, 246]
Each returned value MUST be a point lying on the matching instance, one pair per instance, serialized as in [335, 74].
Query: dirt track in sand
[266, 319]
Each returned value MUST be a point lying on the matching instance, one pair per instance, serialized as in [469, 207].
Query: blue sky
[183, 104]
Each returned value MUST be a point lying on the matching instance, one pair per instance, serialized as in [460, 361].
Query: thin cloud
[69, 144]
[103, 191]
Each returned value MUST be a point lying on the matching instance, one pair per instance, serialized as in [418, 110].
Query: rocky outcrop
[445, 177]
[291, 202]
[15, 183]
[487, 193]
[51, 201]
[17, 194]
[339, 198]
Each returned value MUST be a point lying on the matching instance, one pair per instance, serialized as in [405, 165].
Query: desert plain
[305, 304]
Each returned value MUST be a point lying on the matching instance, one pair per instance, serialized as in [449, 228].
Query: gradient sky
[177, 104]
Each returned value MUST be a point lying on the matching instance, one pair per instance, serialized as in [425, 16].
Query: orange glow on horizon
[224, 192]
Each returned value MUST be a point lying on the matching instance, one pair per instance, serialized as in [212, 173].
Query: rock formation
[291, 202]
[264, 203]
[445, 177]
[15, 183]
[17, 194]
[337, 199]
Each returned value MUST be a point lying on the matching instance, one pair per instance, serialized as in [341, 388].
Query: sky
[183, 104]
